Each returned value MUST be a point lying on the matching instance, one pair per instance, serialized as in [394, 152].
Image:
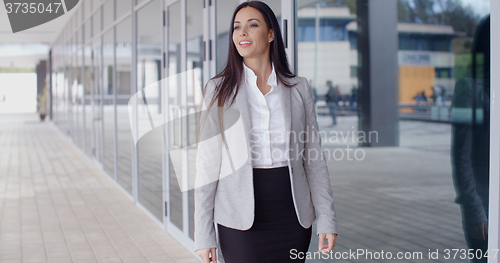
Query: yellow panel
[415, 79]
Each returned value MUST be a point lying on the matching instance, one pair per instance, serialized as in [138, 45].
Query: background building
[425, 55]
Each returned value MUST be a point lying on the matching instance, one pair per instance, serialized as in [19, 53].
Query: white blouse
[268, 134]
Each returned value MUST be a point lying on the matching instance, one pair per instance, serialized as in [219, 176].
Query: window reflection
[108, 13]
[411, 183]
[122, 7]
[124, 90]
[96, 22]
[195, 83]
[108, 103]
[78, 119]
[174, 98]
[149, 24]
[89, 108]
[408, 190]
[471, 141]
[330, 29]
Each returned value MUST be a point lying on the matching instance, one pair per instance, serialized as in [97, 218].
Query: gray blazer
[224, 182]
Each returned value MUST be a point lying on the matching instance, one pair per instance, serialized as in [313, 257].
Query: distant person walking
[354, 95]
[437, 96]
[423, 97]
[331, 100]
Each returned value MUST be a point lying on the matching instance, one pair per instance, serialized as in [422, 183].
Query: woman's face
[249, 26]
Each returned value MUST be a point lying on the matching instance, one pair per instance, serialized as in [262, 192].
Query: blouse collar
[251, 77]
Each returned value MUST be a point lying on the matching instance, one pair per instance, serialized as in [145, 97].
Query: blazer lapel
[242, 106]
[285, 96]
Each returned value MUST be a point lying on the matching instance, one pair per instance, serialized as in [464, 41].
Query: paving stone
[56, 202]
[56, 206]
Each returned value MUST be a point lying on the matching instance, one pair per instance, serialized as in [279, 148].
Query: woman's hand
[332, 239]
[205, 254]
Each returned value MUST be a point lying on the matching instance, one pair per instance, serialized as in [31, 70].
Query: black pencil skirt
[275, 230]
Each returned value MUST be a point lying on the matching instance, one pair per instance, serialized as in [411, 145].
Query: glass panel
[88, 100]
[72, 90]
[470, 133]
[330, 29]
[77, 18]
[442, 45]
[275, 6]
[60, 98]
[55, 91]
[76, 92]
[78, 96]
[174, 97]
[88, 30]
[68, 98]
[195, 84]
[109, 108]
[224, 12]
[96, 23]
[98, 99]
[63, 101]
[96, 4]
[443, 109]
[407, 42]
[122, 8]
[124, 90]
[108, 13]
[87, 8]
[68, 87]
[149, 24]
[306, 30]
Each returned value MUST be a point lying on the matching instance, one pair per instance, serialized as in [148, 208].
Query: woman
[264, 204]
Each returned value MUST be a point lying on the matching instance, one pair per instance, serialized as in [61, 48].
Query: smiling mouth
[245, 43]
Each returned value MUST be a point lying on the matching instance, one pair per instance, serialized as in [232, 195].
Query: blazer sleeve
[462, 145]
[208, 161]
[316, 169]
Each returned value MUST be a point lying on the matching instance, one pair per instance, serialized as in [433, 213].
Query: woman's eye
[236, 27]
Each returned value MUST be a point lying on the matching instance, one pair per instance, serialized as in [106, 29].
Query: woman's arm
[208, 161]
[316, 169]
[461, 149]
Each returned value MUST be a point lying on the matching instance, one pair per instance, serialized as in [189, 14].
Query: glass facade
[124, 89]
[109, 111]
[174, 100]
[149, 58]
[410, 196]
[420, 190]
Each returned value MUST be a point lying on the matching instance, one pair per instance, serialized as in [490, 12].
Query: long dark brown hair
[231, 75]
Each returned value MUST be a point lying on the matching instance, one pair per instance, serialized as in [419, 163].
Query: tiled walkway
[57, 206]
